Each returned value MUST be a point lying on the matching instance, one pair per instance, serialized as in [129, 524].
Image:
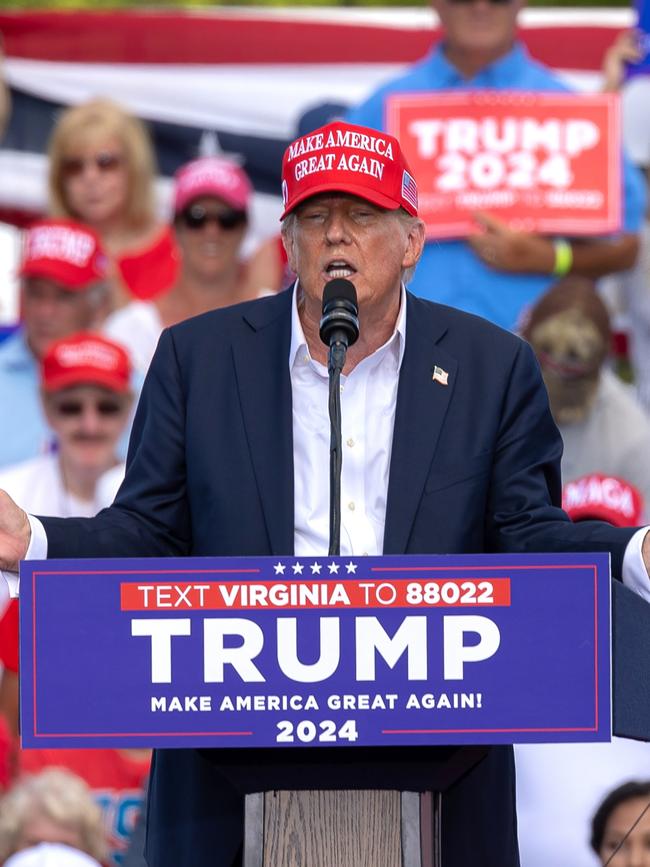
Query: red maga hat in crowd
[606, 498]
[64, 251]
[341, 157]
[86, 359]
[212, 176]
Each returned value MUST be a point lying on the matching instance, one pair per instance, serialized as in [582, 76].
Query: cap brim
[360, 191]
[61, 275]
[234, 201]
[73, 378]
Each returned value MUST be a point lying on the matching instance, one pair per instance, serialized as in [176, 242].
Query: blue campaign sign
[289, 651]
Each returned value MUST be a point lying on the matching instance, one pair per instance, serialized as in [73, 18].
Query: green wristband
[563, 257]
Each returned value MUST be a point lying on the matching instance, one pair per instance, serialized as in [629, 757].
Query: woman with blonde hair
[54, 806]
[102, 172]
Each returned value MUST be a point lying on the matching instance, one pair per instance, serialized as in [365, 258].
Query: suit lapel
[422, 403]
[261, 360]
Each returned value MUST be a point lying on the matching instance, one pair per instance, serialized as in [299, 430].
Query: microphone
[340, 320]
[339, 328]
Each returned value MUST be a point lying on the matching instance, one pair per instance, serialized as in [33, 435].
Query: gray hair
[408, 221]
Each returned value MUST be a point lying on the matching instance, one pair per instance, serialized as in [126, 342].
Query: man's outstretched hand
[15, 533]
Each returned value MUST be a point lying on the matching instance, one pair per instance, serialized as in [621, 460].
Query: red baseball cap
[341, 157]
[65, 251]
[606, 498]
[86, 359]
[212, 176]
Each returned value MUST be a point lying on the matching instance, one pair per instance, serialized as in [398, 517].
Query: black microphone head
[339, 288]
[340, 321]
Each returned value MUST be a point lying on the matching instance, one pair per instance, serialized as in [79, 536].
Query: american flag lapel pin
[440, 375]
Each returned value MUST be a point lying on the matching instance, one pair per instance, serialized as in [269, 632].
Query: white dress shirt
[368, 401]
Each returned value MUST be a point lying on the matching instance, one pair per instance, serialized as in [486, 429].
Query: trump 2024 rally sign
[543, 162]
[291, 651]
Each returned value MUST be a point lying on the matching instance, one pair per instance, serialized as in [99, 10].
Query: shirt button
[350, 442]
[351, 505]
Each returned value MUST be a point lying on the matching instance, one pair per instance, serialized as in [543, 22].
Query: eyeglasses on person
[73, 408]
[103, 161]
[196, 217]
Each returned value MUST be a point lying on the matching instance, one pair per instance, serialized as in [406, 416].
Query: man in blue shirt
[500, 272]
[63, 290]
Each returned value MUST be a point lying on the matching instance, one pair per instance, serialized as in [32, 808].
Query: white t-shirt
[613, 439]
[137, 327]
[37, 486]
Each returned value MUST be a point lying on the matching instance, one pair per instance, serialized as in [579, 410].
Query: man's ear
[415, 244]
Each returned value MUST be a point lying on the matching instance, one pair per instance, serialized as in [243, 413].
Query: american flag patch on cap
[409, 189]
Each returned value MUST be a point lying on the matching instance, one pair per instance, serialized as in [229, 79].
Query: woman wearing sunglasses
[211, 206]
[102, 173]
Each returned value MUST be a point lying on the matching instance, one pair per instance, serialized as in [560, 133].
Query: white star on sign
[297, 568]
[315, 568]
[351, 567]
[334, 568]
[279, 568]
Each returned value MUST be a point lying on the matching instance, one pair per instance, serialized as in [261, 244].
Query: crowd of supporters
[101, 276]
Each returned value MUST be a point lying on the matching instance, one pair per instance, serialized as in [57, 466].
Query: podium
[194, 653]
[394, 820]
[402, 826]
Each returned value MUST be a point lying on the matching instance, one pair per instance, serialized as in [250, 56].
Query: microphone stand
[335, 364]
[339, 328]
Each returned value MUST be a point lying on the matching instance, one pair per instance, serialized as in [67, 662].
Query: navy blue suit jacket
[474, 468]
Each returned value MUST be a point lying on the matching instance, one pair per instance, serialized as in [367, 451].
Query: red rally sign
[543, 162]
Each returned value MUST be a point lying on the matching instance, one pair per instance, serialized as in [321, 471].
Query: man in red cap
[63, 289]
[212, 198]
[449, 448]
[86, 396]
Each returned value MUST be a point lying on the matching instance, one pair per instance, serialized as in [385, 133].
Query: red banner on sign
[543, 162]
[248, 594]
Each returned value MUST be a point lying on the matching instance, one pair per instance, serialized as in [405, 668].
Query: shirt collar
[497, 74]
[299, 343]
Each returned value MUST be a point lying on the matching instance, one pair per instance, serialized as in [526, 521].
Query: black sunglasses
[104, 161]
[71, 408]
[196, 216]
